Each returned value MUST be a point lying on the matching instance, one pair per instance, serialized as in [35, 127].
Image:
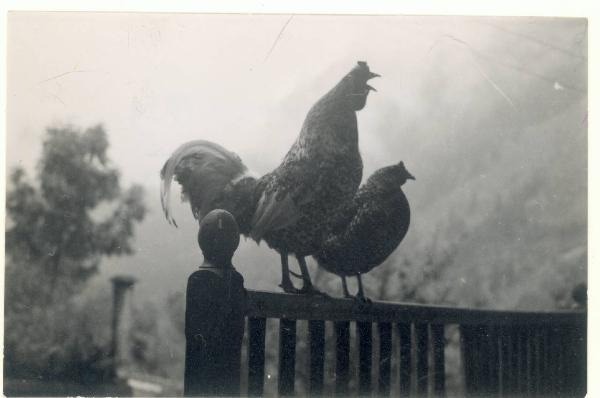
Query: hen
[368, 228]
[289, 207]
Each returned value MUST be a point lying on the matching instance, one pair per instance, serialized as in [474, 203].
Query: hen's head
[392, 176]
[354, 87]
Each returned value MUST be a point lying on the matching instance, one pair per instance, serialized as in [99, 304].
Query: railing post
[404, 335]
[422, 337]
[316, 332]
[365, 356]
[256, 356]
[287, 356]
[385, 358]
[121, 284]
[439, 368]
[342, 357]
[214, 314]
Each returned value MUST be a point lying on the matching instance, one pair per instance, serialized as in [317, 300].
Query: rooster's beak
[410, 177]
[372, 75]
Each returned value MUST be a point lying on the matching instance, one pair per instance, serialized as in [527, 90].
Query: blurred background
[489, 114]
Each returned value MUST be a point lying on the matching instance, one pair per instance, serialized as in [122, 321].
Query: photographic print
[295, 205]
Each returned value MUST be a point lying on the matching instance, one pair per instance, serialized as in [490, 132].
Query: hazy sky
[448, 84]
[158, 80]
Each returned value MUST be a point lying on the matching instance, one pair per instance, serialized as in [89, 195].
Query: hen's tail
[204, 169]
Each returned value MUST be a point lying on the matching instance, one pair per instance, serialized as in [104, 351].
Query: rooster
[368, 228]
[288, 208]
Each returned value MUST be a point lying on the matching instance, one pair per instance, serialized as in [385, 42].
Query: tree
[58, 231]
[61, 229]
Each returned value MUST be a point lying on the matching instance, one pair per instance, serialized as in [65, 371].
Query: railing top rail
[291, 306]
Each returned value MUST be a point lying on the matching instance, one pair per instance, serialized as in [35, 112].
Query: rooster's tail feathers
[203, 169]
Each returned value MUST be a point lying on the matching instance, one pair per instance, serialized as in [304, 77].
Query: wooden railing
[504, 353]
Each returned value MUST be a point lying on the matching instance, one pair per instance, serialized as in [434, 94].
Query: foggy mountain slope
[517, 220]
[521, 207]
[488, 114]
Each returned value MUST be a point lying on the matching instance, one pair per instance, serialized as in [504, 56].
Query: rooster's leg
[307, 286]
[345, 287]
[286, 282]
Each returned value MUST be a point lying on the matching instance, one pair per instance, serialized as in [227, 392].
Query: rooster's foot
[288, 287]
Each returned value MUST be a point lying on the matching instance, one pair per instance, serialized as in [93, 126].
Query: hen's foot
[362, 300]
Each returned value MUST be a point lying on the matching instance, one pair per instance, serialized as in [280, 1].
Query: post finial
[218, 237]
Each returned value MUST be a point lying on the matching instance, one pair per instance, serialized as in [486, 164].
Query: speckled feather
[288, 208]
[368, 228]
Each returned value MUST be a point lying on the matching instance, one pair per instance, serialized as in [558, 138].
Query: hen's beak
[410, 177]
[371, 88]
[372, 75]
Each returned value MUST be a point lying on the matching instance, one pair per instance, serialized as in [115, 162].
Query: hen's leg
[361, 293]
[345, 287]
[286, 282]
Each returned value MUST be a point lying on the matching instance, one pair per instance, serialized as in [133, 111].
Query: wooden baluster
[287, 356]
[545, 359]
[554, 358]
[364, 331]
[439, 368]
[256, 356]
[316, 332]
[482, 368]
[466, 337]
[580, 377]
[422, 338]
[503, 361]
[404, 334]
[514, 360]
[570, 355]
[530, 348]
[537, 360]
[385, 358]
[492, 360]
[342, 357]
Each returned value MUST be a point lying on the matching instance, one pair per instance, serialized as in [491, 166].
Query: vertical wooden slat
[511, 386]
[316, 332]
[342, 357]
[545, 357]
[256, 356]
[439, 368]
[521, 360]
[581, 360]
[287, 356]
[364, 331]
[503, 361]
[530, 348]
[493, 358]
[385, 358]
[466, 337]
[537, 360]
[485, 355]
[554, 358]
[562, 363]
[404, 334]
[422, 339]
